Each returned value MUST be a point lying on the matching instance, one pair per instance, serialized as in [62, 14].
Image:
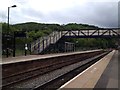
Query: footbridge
[90, 33]
[43, 43]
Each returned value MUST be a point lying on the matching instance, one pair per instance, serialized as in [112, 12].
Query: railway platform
[109, 78]
[102, 74]
[35, 57]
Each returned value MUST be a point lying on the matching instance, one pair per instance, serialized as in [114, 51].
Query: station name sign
[19, 34]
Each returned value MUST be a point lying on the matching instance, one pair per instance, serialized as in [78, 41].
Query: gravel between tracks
[39, 80]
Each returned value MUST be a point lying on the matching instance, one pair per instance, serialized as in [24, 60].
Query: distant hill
[74, 26]
[30, 26]
[35, 30]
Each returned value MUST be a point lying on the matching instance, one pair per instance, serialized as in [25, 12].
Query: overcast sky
[102, 13]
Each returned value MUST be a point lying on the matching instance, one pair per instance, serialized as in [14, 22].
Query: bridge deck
[36, 57]
[103, 74]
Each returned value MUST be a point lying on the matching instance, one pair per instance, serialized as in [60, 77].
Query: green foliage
[93, 42]
[37, 30]
[36, 35]
[74, 26]
[47, 32]
[5, 28]
[30, 26]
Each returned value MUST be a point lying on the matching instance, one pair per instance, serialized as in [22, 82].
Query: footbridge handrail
[41, 43]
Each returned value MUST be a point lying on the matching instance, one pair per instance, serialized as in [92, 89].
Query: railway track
[47, 74]
[11, 79]
[56, 82]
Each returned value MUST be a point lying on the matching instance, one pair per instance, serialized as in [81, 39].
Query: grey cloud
[119, 14]
[26, 15]
[33, 13]
[106, 14]
[103, 14]
[3, 16]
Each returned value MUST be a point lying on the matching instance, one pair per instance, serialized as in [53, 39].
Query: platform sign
[26, 47]
[19, 34]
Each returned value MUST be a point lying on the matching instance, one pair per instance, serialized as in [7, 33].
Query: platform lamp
[8, 25]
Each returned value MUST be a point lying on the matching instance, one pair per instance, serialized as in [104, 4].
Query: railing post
[61, 33]
[69, 32]
[34, 45]
[78, 32]
[65, 47]
[109, 32]
[98, 32]
[30, 48]
[53, 38]
[50, 39]
[14, 45]
[56, 37]
[88, 32]
[46, 42]
[43, 43]
[39, 46]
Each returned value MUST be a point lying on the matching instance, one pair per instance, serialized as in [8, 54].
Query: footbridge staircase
[42, 43]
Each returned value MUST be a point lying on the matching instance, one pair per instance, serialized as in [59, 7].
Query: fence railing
[43, 42]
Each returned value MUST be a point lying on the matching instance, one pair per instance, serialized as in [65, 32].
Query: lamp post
[8, 25]
[76, 45]
[8, 14]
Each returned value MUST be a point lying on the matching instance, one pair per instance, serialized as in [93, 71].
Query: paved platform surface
[102, 74]
[109, 78]
[34, 57]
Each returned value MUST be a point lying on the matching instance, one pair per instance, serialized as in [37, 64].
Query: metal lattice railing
[92, 33]
[40, 44]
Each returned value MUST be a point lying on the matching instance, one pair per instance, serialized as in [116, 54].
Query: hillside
[35, 30]
[30, 26]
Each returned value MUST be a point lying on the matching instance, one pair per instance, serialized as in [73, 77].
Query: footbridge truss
[43, 42]
[91, 33]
